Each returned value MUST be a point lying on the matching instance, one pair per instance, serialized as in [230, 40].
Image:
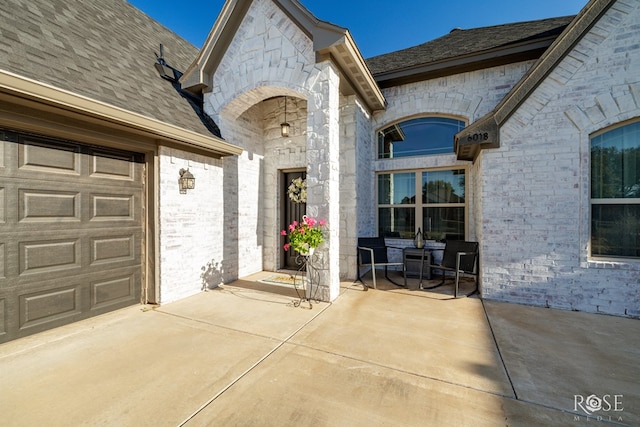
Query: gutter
[31, 89]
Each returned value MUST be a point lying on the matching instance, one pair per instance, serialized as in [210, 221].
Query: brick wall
[535, 188]
[242, 194]
[466, 96]
[190, 225]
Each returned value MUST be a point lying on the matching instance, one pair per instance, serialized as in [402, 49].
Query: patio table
[419, 260]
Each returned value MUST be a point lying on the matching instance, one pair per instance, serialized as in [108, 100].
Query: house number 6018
[478, 137]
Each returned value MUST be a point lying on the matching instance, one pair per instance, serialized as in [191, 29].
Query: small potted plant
[304, 236]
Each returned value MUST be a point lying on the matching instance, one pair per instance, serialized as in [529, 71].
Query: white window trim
[419, 205]
[607, 261]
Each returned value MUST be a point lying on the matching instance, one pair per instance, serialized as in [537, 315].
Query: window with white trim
[615, 192]
[439, 210]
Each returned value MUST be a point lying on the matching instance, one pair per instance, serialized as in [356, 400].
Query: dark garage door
[71, 231]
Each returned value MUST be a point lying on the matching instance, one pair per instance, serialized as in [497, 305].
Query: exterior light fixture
[187, 181]
[284, 126]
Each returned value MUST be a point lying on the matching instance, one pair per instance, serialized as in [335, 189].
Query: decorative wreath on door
[298, 190]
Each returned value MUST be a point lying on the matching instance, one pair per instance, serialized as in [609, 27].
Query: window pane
[615, 174]
[396, 222]
[443, 223]
[418, 137]
[396, 188]
[615, 230]
[443, 186]
[615, 163]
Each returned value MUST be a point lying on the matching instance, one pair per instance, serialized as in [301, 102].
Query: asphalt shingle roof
[101, 49]
[105, 50]
[461, 42]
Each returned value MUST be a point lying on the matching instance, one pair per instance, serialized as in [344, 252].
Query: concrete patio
[244, 355]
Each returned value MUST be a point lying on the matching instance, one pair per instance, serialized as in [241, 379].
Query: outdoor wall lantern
[284, 127]
[187, 181]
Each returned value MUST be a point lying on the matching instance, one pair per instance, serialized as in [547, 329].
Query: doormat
[284, 280]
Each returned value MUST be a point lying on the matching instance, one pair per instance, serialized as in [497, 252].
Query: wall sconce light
[187, 181]
[284, 127]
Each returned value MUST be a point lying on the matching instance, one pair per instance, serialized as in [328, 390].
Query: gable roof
[100, 54]
[467, 50]
[330, 42]
[466, 146]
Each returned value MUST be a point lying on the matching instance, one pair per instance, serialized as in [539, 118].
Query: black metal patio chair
[461, 257]
[373, 252]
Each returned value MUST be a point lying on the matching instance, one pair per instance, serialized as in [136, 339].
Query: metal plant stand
[307, 280]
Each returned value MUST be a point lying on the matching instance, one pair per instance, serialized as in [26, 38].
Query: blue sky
[378, 26]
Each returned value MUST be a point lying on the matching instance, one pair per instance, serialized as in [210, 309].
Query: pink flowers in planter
[305, 235]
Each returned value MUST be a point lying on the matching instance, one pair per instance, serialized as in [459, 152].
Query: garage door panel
[63, 253]
[109, 165]
[109, 249]
[48, 205]
[34, 205]
[49, 306]
[114, 291]
[113, 207]
[71, 232]
[36, 306]
[47, 256]
[44, 309]
[37, 155]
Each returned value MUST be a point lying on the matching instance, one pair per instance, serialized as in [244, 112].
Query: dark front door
[292, 212]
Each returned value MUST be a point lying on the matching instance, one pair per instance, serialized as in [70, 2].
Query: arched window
[615, 192]
[418, 137]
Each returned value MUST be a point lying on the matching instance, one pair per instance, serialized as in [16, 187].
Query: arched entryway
[269, 161]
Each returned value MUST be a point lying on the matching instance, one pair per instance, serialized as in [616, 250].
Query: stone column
[323, 170]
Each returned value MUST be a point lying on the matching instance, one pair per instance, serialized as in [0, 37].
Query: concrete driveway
[240, 356]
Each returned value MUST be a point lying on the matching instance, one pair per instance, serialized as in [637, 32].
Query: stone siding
[536, 187]
[270, 58]
[355, 184]
[267, 51]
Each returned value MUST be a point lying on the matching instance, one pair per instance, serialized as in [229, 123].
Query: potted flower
[305, 236]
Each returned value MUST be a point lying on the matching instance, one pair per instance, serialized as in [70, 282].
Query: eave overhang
[330, 42]
[470, 141]
[465, 63]
[356, 79]
[199, 74]
[164, 132]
